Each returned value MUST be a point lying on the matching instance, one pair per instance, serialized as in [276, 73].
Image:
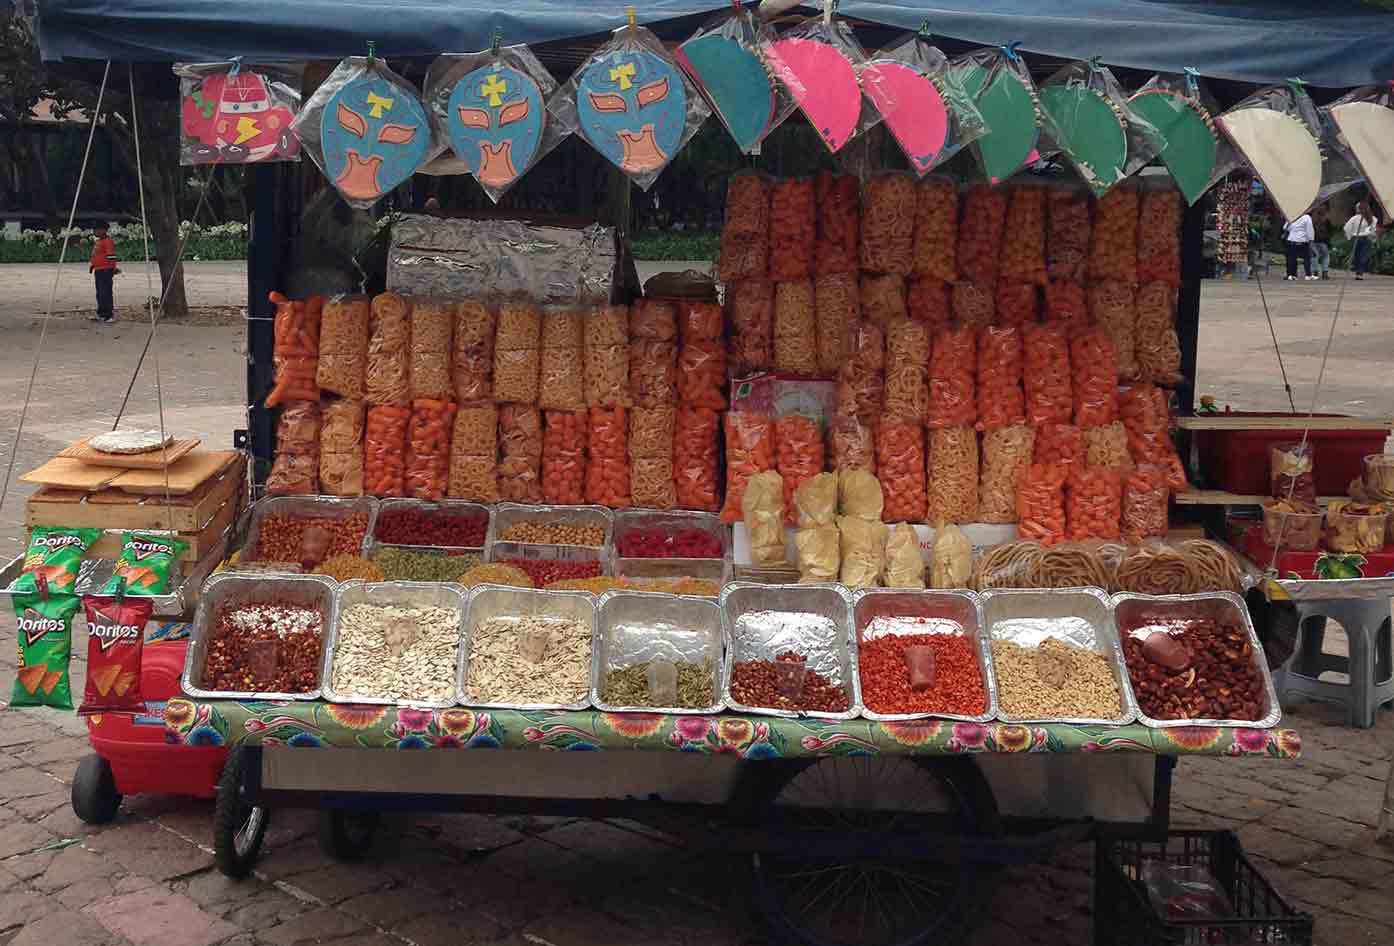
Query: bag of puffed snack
[863, 544]
[815, 501]
[904, 564]
[951, 559]
[115, 636]
[145, 564]
[819, 553]
[762, 508]
[859, 494]
[53, 558]
[44, 626]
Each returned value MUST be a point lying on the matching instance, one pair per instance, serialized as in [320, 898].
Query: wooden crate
[117, 509]
[200, 542]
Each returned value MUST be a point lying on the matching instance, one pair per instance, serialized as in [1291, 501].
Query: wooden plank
[154, 460]
[53, 495]
[1218, 497]
[1291, 422]
[200, 542]
[186, 513]
[66, 473]
[183, 477]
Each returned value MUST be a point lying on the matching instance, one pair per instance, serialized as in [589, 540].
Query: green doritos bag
[54, 554]
[45, 631]
[146, 561]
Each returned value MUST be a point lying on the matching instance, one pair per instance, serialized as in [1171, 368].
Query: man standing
[1361, 229]
[1321, 242]
[1297, 237]
[102, 266]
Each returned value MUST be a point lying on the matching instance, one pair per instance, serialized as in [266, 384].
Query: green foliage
[226, 241]
[1381, 259]
[675, 245]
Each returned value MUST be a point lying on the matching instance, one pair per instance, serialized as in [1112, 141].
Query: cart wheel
[238, 828]
[347, 835]
[822, 901]
[95, 798]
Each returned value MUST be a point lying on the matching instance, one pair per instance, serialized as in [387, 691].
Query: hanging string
[1010, 50]
[1192, 81]
[149, 286]
[1273, 334]
[92, 120]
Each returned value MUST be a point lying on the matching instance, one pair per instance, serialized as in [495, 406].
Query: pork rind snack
[474, 454]
[798, 456]
[839, 222]
[1159, 238]
[1001, 402]
[343, 346]
[520, 469]
[762, 511]
[1046, 375]
[900, 467]
[907, 371]
[295, 469]
[472, 355]
[1106, 447]
[852, 443]
[1023, 243]
[1067, 250]
[701, 373]
[974, 305]
[928, 301]
[653, 320]
[1094, 362]
[1147, 419]
[517, 352]
[952, 382]
[563, 382]
[385, 450]
[341, 448]
[1066, 304]
[1093, 504]
[980, 235]
[953, 475]
[387, 378]
[1145, 497]
[749, 450]
[861, 382]
[1113, 306]
[695, 443]
[427, 474]
[883, 299]
[1113, 248]
[745, 237]
[795, 328]
[835, 300]
[700, 322]
[751, 304]
[936, 229]
[1158, 350]
[1017, 303]
[888, 223]
[793, 224]
[607, 474]
[432, 322]
[653, 373]
[863, 547]
[1006, 453]
[606, 344]
[564, 437]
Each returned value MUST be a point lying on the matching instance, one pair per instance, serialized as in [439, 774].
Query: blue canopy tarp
[1332, 43]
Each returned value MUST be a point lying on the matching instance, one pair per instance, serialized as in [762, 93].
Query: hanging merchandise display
[1365, 120]
[495, 107]
[1001, 87]
[817, 62]
[231, 114]
[723, 60]
[921, 102]
[1274, 136]
[1183, 114]
[367, 130]
[633, 104]
[1087, 116]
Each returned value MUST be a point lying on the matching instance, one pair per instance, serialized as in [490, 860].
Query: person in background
[1361, 229]
[1297, 240]
[432, 206]
[103, 268]
[1321, 243]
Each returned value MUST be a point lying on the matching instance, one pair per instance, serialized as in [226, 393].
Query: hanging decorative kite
[1001, 87]
[722, 59]
[231, 114]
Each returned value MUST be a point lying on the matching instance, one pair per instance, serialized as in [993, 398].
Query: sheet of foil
[231, 591]
[635, 627]
[880, 612]
[1078, 616]
[445, 507]
[1132, 613]
[487, 602]
[1328, 589]
[440, 256]
[320, 507]
[411, 594]
[761, 621]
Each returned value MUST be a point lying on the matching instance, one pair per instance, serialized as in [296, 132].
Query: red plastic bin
[1237, 460]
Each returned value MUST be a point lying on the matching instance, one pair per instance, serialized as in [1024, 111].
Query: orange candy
[900, 466]
[1040, 503]
[1094, 360]
[1046, 374]
[952, 364]
[1000, 400]
[1094, 504]
[607, 476]
[564, 457]
[799, 443]
[1023, 242]
[936, 229]
[749, 450]
[694, 458]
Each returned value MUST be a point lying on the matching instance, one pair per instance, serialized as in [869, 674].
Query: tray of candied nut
[1194, 660]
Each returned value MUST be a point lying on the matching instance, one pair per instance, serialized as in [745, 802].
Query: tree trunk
[161, 204]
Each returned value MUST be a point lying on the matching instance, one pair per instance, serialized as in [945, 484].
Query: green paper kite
[1191, 147]
[1090, 132]
[1009, 111]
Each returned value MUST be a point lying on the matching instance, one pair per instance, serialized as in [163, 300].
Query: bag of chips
[53, 558]
[44, 627]
[145, 564]
[115, 635]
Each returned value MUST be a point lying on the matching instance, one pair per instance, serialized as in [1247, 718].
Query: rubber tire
[228, 818]
[962, 775]
[347, 835]
[94, 795]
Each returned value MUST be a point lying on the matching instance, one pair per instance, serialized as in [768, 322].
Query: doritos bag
[44, 627]
[145, 563]
[115, 635]
[55, 554]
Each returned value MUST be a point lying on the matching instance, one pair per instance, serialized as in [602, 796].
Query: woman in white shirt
[1361, 230]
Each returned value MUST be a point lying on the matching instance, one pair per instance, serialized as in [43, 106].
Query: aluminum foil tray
[446, 507]
[499, 601]
[640, 626]
[509, 514]
[325, 507]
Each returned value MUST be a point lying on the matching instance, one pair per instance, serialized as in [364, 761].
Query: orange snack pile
[745, 238]
[427, 473]
[1094, 360]
[974, 305]
[1001, 402]
[296, 346]
[1017, 303]
[907, 371]
[861, 384]
[928, 301]
[1023, 243]
[882, 298]
[952, 365]
[1147, 418]
[1067, 250]
[792, 230]
[900, 467]
[836, 305]
[936, 229]
[853, 444]
[799, 442]
[751, 302]
[1066, 303]
[1094, 504]
[701, 374]
[1145, 496]
[749, 450]
[795, 328]
[1159, 238]
[694, 458]
[980, 235]
[1158, 350]
[1040, 502]
[839, 222]
[1061, 444]
[385, 450]
[564, 457]
[953, 475]
[1113, 306]
[1113, 247]
[888, 223]
[520, 470]
[1046, 375]
[607, 475]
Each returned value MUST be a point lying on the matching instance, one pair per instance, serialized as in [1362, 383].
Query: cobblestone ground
[148, 880]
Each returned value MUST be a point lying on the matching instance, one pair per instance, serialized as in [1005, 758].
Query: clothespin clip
[1192, 81]
[1010, 50]
[236, 67]
[923, 32]
[494, 41]
[120, 594]
[632, 18]
[1297, 85]
[736, 5]
[372, 51]
[828, 11]
[1094, 64]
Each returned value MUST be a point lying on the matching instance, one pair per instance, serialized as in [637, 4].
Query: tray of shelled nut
[394, 642]
[1055, 657]
[527, 649]
[551, 543]
[305, 531]
[1194, 660]
[790, 650]
[259, 637]
[658, 653]
[657, 543]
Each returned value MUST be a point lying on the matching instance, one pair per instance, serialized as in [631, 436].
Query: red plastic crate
[1237, 460]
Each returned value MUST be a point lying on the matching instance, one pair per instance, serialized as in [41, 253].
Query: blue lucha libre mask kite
[375, 135]
[495, 119]
[632, 108]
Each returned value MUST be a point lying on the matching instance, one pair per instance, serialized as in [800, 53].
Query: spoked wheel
[347, 835]
[859, 899]
[238, 828]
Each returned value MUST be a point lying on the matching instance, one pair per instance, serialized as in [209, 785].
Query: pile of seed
[498, 671]
[553, 533]
[1089, 689]
[396, 652]
[403, 565]
[629, 686]
[347, 567]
